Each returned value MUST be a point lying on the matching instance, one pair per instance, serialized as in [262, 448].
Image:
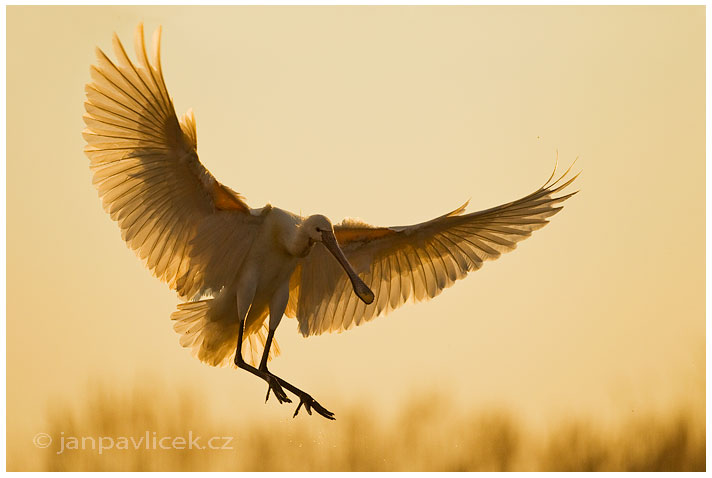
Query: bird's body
[235, 266]
[262, 280]
[271, 262]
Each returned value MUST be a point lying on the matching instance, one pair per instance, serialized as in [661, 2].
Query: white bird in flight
[235, 266]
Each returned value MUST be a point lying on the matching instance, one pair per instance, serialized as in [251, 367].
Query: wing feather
[145, 166]
[412, 262]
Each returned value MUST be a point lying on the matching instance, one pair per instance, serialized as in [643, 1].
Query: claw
[309, 403]
[279, 394]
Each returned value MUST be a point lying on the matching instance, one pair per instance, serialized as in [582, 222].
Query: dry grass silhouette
[425, 435]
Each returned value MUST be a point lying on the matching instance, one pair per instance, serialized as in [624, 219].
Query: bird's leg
[265, 353]
[271, 380]
[275, 384]
[277, 306]
[306, 400]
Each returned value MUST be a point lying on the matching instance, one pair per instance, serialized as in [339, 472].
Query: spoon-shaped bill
[361, 289]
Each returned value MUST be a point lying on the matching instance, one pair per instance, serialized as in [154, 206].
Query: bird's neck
[300, 244]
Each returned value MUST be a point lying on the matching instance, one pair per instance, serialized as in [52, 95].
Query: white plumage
[234, 266]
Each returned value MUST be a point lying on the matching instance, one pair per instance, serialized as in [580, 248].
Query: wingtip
[156, 49]
[565, 174]
[553, 173]
[139, 40]
[460, 209]
[99, 52]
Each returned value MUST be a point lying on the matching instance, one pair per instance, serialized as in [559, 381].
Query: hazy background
[394, 115]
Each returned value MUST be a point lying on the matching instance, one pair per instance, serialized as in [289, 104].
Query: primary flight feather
[238, 269]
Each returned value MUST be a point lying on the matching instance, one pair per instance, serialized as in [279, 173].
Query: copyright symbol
[42, 440]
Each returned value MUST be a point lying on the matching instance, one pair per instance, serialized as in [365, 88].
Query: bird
[238, 270]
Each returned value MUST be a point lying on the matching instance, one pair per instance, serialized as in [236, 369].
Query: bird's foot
[309, 404]
[279, 393]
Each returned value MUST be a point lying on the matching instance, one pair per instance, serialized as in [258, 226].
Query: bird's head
[316, 225]
[319, 229]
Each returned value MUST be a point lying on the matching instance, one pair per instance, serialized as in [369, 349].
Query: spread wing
[418, 261]
[191, 231]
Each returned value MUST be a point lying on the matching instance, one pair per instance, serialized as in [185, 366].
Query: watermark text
[147, 441]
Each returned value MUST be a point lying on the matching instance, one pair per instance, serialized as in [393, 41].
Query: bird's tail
[211, 333]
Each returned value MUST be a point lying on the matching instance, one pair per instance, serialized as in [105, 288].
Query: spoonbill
[237, 269]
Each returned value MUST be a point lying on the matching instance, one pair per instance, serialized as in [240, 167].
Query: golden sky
[394, 115]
